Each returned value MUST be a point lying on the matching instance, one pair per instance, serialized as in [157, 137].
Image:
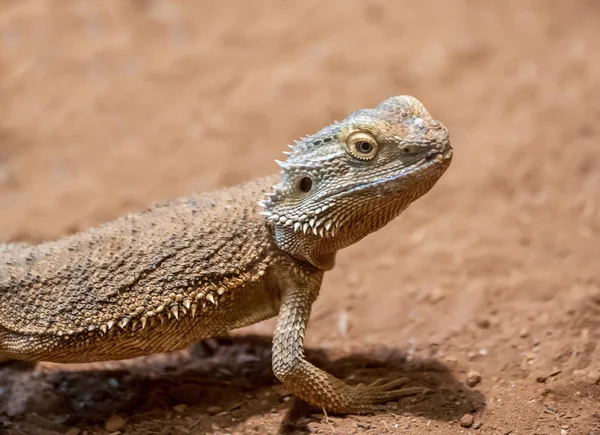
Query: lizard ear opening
[305, 184]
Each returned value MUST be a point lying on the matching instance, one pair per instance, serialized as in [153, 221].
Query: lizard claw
[383, 385]
[369, 398]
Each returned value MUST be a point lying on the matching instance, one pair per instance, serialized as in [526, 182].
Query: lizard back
[172, 260]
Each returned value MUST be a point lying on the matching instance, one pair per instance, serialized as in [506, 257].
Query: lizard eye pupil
[364, 147]
[305, 184]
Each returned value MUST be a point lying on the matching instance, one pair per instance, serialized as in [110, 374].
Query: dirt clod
[467, 420]
[436, 295]
[180, 409]
[544, 376]
[114, 423]
[484, 323]
[212, 410]
[473, 378]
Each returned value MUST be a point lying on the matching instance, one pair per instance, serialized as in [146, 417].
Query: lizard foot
[369, 398]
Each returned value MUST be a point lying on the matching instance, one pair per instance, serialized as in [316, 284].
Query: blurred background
[107, 106]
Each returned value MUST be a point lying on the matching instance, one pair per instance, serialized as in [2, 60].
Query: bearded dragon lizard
[188, 269]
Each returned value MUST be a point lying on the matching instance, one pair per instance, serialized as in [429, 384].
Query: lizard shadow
[215, 384]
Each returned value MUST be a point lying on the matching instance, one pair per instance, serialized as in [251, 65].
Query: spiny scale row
[310, 221]
[181, 307]
[290, 166]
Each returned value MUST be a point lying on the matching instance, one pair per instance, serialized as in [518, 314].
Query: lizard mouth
[432, 159]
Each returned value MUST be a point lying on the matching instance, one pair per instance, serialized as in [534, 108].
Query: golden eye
[362, 146]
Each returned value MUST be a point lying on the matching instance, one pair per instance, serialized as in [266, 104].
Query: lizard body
[162, 279]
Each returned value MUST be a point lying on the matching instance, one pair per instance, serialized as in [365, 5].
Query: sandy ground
[108, 106]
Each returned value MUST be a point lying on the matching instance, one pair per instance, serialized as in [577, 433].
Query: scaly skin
[159, 280]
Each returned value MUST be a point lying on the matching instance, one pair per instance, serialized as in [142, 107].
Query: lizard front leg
[310, 383]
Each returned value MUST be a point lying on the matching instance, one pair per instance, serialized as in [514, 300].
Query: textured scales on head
[354, 176]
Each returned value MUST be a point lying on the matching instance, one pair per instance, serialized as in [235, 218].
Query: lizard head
[353, 177]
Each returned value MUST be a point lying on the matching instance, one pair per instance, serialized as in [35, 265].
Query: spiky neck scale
[355, 176]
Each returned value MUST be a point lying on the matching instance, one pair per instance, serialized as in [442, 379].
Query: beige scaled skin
[162, 279]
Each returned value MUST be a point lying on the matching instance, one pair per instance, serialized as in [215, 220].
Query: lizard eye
[362, 146]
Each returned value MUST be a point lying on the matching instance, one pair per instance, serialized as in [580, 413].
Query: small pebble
[524, 333]
[473, 378]
[543, 377]
[114, 423]
[476, 425]
[180, 409]
[362, 425]
[436, 296]
[467, 420]
[343, 323]
[212, 410]
[483, 323]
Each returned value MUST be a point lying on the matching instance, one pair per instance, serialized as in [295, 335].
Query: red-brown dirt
[108, 106]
